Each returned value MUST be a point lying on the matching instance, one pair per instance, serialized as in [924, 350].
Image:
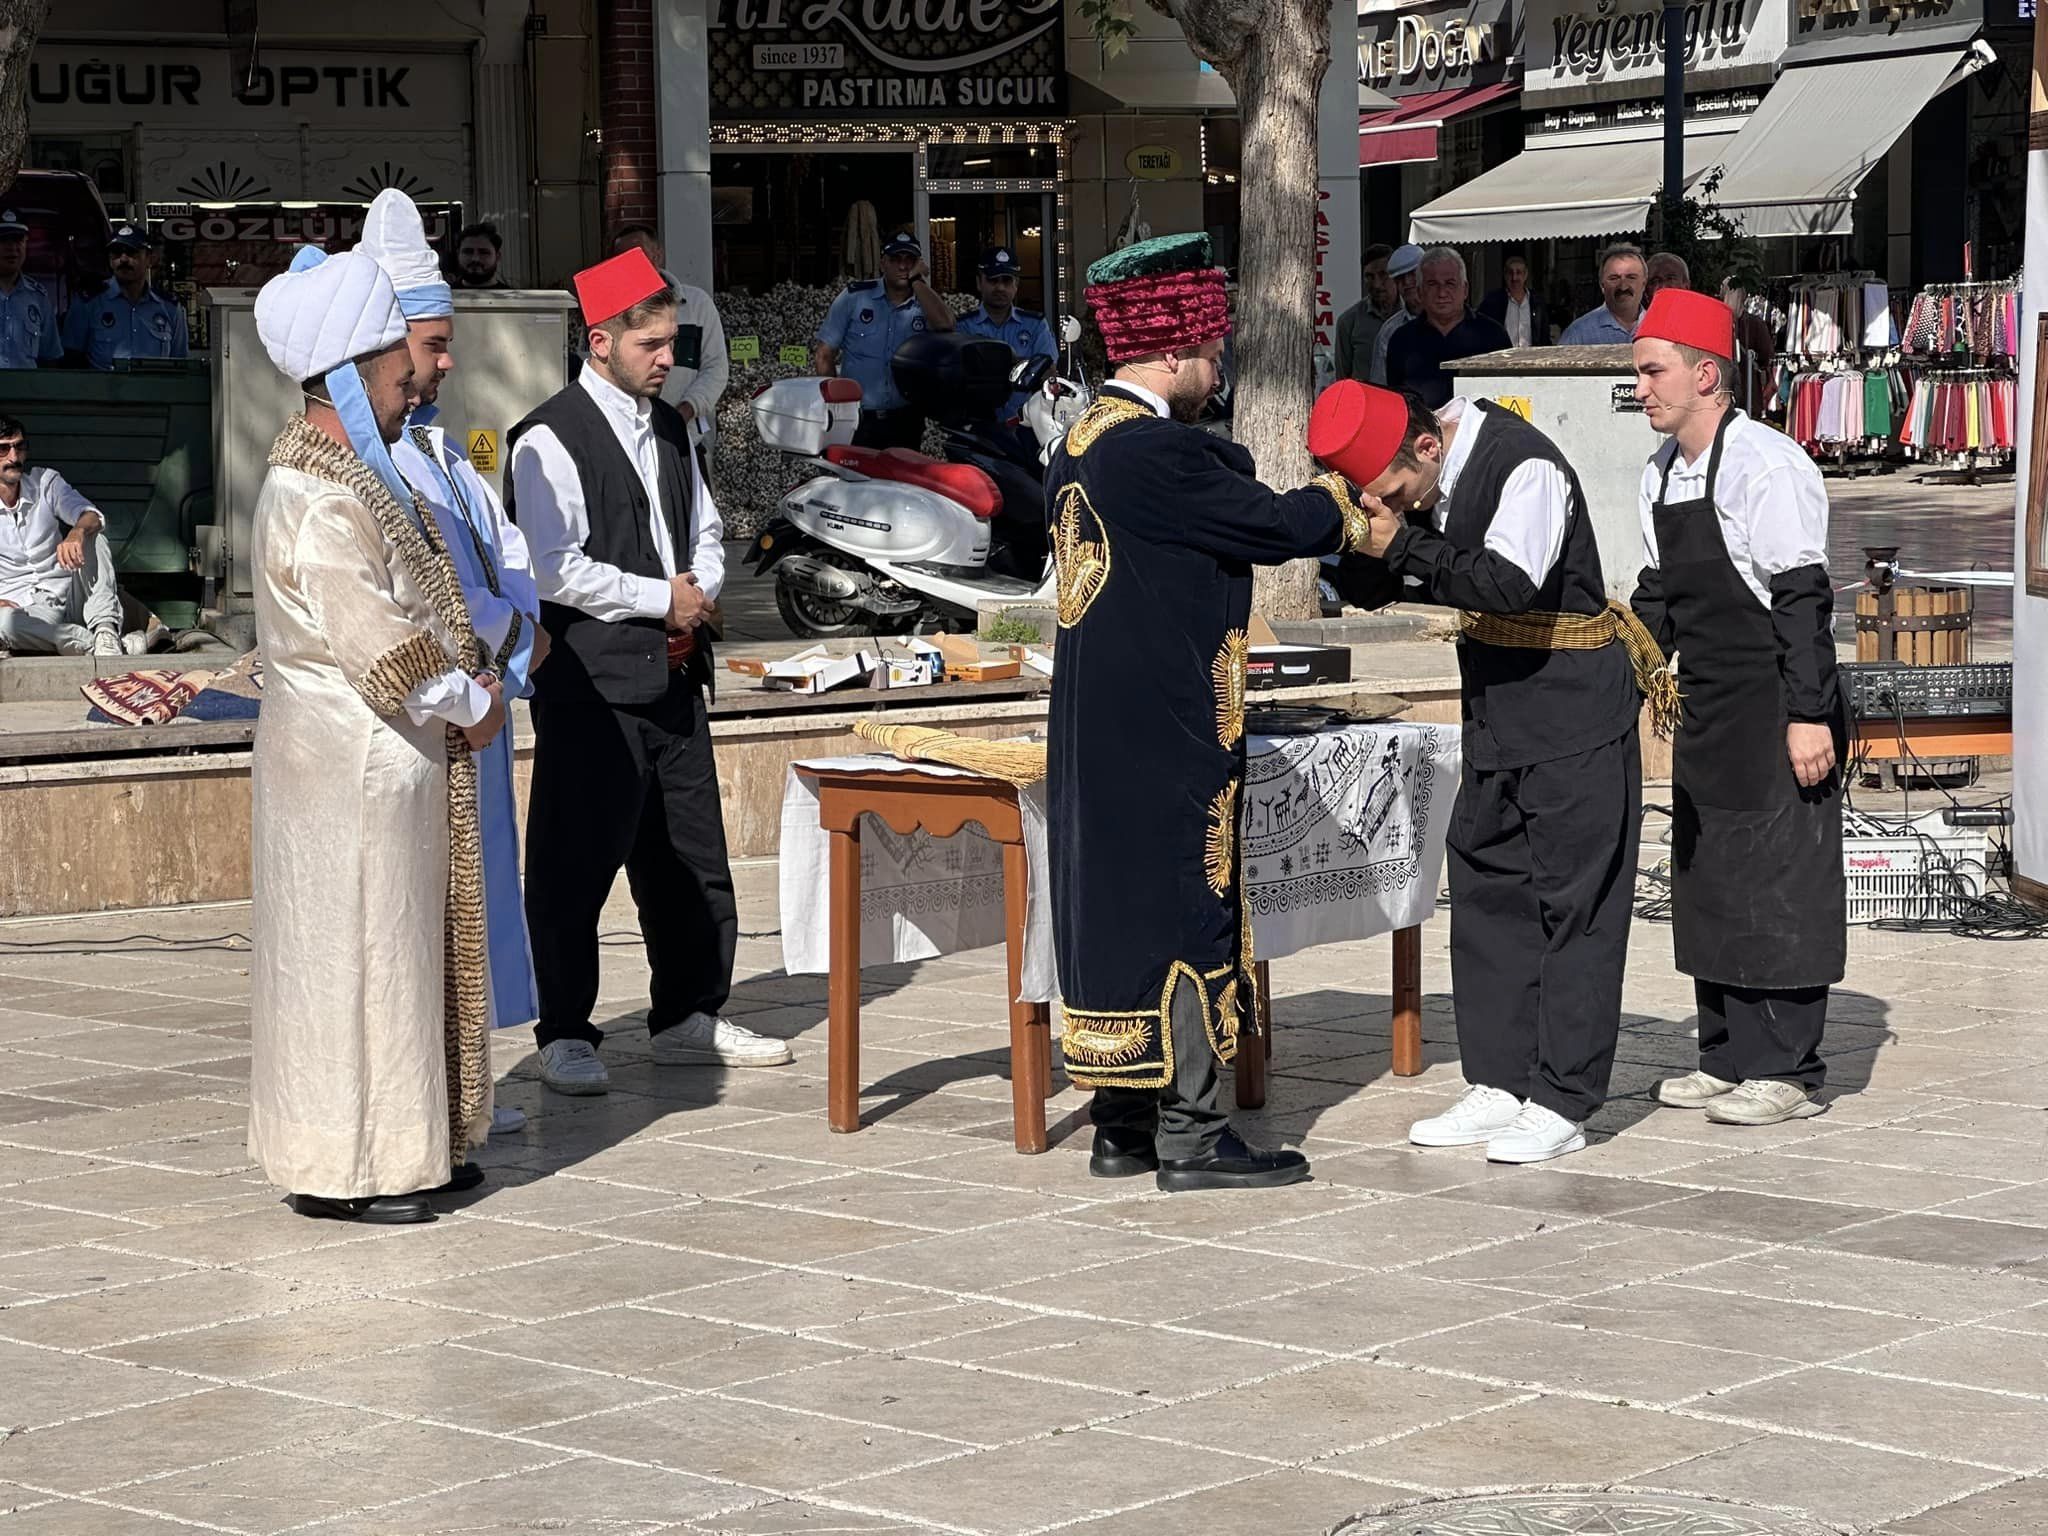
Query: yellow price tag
[795, 357]
[482, 447]
[745, 349]
[1519, 404]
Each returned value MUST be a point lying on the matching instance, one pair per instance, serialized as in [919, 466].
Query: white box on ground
[816, 670]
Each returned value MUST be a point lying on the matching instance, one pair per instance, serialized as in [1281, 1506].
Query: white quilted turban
[326, 311]
[395, 237]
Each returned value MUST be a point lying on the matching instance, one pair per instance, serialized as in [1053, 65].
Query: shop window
[991, 162]
[814, 219]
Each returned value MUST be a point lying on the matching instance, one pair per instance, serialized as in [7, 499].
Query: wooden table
[942, 807]
[1883, 741]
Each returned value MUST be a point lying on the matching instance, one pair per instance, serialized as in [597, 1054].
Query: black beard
[1186, 410]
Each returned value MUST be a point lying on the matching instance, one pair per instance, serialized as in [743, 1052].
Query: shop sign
[1643, 110]
[1440, 49]
[81, 86]
[948, 59]
[332, 228]
[1817, 20]
[1153, 162]
[1573, 43]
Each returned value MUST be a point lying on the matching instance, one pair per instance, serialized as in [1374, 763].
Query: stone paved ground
[690, 1308]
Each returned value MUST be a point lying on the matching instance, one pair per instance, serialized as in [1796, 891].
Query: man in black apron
[1475, 509]
[1735, 580]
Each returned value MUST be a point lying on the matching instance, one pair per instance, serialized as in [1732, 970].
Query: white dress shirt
[704, 385]
[547, 491]
[1535, 504]
[30, 531]
[1769, 499]
[1516, 319]
[1145, 397]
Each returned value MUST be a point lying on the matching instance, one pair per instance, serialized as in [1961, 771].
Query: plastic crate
[1926, 874]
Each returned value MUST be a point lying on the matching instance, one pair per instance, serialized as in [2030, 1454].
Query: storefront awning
[1407, 130]
[1795, 166]
[1580, 188]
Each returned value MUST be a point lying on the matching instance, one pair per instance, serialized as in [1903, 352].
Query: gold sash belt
[1588, 632]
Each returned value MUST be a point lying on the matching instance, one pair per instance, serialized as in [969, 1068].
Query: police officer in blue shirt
[129, 318]
[863, 329]
[28, 315]
[999, 318]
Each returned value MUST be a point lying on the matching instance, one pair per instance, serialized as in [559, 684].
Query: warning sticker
[482, 447]
[1519, 404]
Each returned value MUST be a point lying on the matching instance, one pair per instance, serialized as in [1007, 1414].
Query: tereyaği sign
[1434, 50]
[883, 58]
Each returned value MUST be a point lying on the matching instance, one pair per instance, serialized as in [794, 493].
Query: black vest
[625, 661]
[1521, 706]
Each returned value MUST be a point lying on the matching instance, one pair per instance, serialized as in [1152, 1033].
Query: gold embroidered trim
[1106, 1039]
[1357, 521]
[1085, 1032]
[1226, 673]
[504, 657]
[466, 998]
[1223, 1036]
[1219, 855]
[1080, 553]
[1107, 411]
[392, 677]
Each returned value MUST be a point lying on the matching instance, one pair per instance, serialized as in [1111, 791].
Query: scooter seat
[973, 488]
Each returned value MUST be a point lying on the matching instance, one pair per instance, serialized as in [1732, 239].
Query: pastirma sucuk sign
[884, 58]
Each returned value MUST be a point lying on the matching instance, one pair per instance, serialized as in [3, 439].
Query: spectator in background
[1667, 269]
[130, 317]
[1402, 268]
[1515, 307]
[1024, 331]
[863, 329]
[28, 315]
[1359, 326]
[58, 591]
[1623, 280]
[697, 382]
[1756, 352]
[476, 257]
[1447, 330]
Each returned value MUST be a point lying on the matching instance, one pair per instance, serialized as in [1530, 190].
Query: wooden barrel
[1915, 622]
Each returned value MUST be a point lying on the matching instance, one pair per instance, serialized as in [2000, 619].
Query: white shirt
[1381, 342]
[30, 531]
[1516, 319]
[702, 386]
[1145, 397]
[1535, 504]
[1769, 498]
[547, 490]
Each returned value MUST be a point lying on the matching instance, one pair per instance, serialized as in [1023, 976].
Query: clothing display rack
[1840, 381]
[1964, 342]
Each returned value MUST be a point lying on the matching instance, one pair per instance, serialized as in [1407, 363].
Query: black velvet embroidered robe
[1155, 527]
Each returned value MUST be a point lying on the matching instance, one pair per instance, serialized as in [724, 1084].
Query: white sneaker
[505, 1120]
[1474, 1118]
[1536, 1136]
[1695, 1090]
[573, 1066]
[701, 1038]
[135, 643]
[105, 643]
[1764, 1101]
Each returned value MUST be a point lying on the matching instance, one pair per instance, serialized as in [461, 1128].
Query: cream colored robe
[370, 1065]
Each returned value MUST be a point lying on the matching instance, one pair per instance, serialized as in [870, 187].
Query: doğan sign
[1436, 49]
[966, 59]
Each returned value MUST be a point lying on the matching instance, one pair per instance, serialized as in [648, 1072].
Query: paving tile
[1565, 1194]
[563, 1201]
[99, 1088]
[1966, 1357]
[2023, 1204]
[1758, 1218]
[401, 1258]
[26, 1228]
[1357, 1314]
[755, 1232]
[1670, 1314]
[1875, 1284]
[795, 1517]
[1866, 1185]
[1545, 1440]
[46, 1386]
[578, 1282]
[78, 1183]
[1550, 1357]
[18, 1109]
[1220, 1213]
[109, 1129]
[2009, 1508]
[1318, 1411]
[73, 1269]
[1946, 1423]
[1584, 1259]
[687, 1353]
[1162, 1287]
[794, 1300]
[1846, 1485]
[1950, 1240]
[973, 1404]
[1156, 1363]
[752, 1444]
[1387, 1234]
[1005, 1257]
[76, 1517]
[1300, 1499]
[112, 1449]
[1061, 1478]
[1963, 1156]
[335, 1475]
[194, 1299]
[129, 1047]
[313, 1336]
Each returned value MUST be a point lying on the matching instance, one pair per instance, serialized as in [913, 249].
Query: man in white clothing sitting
[58, 592]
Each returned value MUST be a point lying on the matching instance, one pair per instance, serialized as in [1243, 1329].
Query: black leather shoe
[1230, 1164]
[376, 1211]
[467, 1176]
[1122, 1153]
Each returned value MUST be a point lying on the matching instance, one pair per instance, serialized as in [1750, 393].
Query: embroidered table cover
[1342, 834]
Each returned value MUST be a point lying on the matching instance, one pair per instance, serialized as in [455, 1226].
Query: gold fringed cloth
[1588, 632]
[1015, 762]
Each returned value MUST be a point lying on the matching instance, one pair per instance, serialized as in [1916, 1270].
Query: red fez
[1690, 319]
[1356, 429]
[616, 284]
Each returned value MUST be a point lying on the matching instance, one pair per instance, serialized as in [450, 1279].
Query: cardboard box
[813, 671]
[920, 669]
[964, 662]
[1032, 658]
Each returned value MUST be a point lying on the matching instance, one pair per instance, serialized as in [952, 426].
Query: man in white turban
[370, 1071]
[497, 584]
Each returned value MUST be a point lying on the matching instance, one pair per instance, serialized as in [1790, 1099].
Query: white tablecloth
[1342, 837]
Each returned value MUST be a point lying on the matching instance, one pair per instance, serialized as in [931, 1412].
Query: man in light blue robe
[497, 581]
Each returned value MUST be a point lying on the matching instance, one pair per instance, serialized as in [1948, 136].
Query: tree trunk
[1273, 53]
[21, 22]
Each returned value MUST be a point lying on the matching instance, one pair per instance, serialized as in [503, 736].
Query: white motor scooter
[887, 540]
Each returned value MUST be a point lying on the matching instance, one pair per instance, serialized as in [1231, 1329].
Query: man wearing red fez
[1155, 528]
[1735, 579]
[628, 562]
[1475, 509]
